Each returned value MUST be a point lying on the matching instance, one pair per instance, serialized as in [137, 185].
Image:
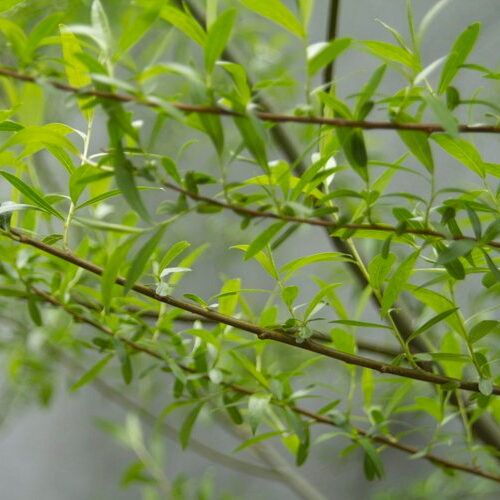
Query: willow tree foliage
[204, 219]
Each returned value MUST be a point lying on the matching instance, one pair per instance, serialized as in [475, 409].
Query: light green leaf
[30, 193]
[397, 282]
[482, 329]
[443, 114]
[363, 324]
[322, 54]
[111, 270]
[429, 324]
[248, 365]
[92, 373]
[390, 53]
[276, 11]
[459, 52]
[257, 439]
[142, 258]
[438, 303]
[76, 71]
[175, 250]
[463, 151]
[258, 406]
[218, 37]
[295, 265]
[184, 22]
[101, 25]
[262, 259]
[263, 239]
[228, 303]
[188, 424]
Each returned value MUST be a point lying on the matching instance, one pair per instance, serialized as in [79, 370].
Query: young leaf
[292, 267]
[218, 37]
[175, 250]
[459, 52]
[390, 53]
[76, 71]
[276, 11]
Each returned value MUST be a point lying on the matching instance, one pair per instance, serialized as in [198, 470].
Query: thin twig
[301, 411]
[261, 333]
[428, 128]
[334, 226]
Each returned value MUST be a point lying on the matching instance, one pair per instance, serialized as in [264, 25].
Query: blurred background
[60, 452]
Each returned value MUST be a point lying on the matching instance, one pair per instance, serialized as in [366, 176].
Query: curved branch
[334, 226]
[315, 417]
[266, 116]
[261, 333]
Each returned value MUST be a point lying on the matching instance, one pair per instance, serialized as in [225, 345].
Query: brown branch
[334, 226]
[267, 116]
[484, 427]
[261, 333]
[315, 417]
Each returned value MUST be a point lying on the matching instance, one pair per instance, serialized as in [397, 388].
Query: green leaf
[390, 53]
[257, 439]
[101, 25]
[76, 71]
[372, 464]
[482, 329]
[455, 250]
[397, 282]
[459, 52]
[258, 406]
[262, 259]
[184, 22]
[417, 142]
[254, 138]
[30, 193]
[276, 11]
[295, 265]
[142, 258]
[463, 151]
[443, 114]
[353, 144]
[433, 321]
[218, 37]
[263, 239]
[124, 173]
[92, 373]
[111, 270]
[188, 424]
[228, 303]
[369, 89]
[175, 250]
[322, 54]
[438, 303]
[245, 363]
[379, 268]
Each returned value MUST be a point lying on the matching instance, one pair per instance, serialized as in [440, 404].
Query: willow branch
[315, 417]
[260, 332]
[330, 224]
[266, 116]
